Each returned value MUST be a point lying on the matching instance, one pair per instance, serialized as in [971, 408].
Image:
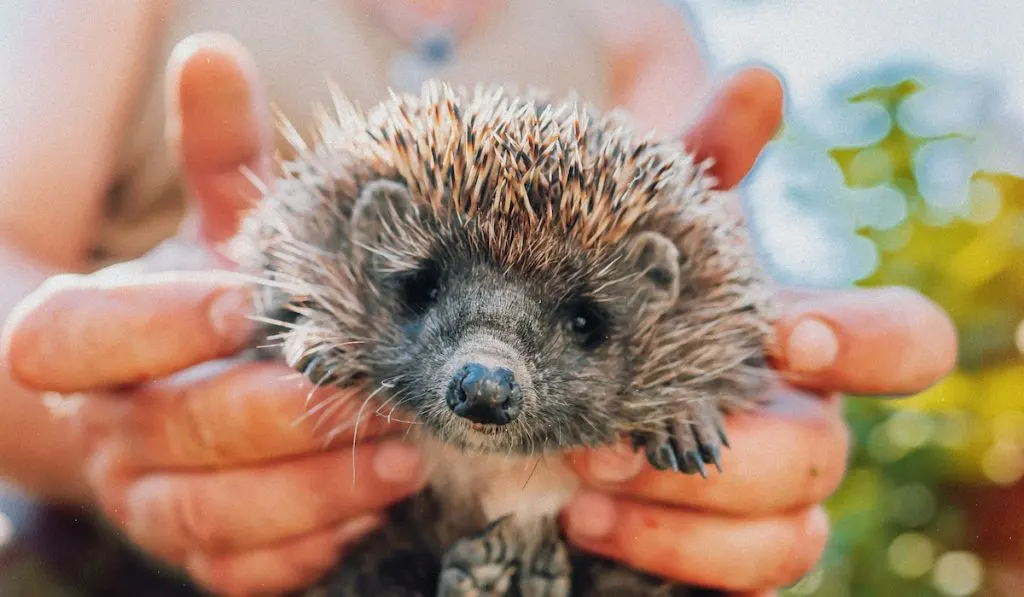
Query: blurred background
[902, 162]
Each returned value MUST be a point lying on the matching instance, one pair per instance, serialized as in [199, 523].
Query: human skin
[168, 450]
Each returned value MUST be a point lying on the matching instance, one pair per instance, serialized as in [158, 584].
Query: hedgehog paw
[687, 443]
[481, 565]
[548, 572]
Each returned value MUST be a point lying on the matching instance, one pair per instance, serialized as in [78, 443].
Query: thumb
[741, 118]
[218, 124]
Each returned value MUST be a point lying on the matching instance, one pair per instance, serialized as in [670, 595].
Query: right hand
[194, 452]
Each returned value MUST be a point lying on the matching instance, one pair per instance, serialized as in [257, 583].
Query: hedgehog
[517, 277]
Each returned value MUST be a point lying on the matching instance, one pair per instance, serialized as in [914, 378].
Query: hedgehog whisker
[355, 434]
[391, 412]
[381, 406]
[269, 345]
[335, 401]
[328, 402]
[532, 471]
[404, 400]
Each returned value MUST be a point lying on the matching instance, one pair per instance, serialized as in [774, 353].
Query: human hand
[190, 449]
[760, 525]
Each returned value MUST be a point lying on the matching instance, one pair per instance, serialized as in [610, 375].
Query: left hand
[760, 525]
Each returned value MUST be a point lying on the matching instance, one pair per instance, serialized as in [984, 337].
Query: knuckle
[107, 485]
[192, 522]
[193, 429]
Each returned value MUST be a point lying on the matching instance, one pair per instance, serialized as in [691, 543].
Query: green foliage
[895, 534]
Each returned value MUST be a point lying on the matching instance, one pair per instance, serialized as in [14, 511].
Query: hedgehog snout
[486, 395]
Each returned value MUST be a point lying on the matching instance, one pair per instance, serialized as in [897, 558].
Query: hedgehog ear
[658, 259]
[380, 210]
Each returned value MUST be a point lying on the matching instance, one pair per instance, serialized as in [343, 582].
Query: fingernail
[356, 528]
[229, 314]
[812, 346]
[397, 463]
[590, 516]
[614, 464]
[818, 522]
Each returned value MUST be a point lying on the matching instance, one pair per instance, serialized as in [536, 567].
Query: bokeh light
[911, 555]
[911, 207]
[912, 505]
[958, 573]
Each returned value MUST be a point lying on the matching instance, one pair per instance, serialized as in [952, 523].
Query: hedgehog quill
[517, 277]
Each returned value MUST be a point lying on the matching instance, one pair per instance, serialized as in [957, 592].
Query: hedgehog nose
[487, 395]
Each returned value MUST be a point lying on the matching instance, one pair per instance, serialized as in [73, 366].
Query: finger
[228, 414]
[76, 333]
[733, 554]
[790, 456]
[739, 121]
[218, 123]
[279, 568]
[864, 341]
[174, 513]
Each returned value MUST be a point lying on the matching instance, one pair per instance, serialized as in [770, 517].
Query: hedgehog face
[499, 338]
[540, 277]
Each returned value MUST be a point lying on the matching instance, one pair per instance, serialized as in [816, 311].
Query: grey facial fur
[563, 324]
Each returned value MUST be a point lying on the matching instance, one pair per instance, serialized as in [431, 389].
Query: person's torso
[297, 48]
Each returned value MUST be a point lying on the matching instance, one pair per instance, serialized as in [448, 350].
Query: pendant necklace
[433, 51]
[430, 40]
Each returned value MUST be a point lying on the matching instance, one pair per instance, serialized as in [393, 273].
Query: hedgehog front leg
[497, 561]
[484, 563]
[548, 571]
[688, 442]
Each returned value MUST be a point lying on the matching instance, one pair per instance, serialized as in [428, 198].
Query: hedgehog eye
[419, 290]
[587, 324]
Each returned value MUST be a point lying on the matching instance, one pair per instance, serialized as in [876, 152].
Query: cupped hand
[202, 457]
[206, 459]
[760, 524]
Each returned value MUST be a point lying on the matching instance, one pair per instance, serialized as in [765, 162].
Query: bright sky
[815, 44]
[813, 41]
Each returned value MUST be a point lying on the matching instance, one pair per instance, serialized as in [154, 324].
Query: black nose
[485, 395]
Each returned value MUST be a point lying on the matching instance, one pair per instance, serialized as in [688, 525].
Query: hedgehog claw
[694, 463]
[720, 428]
[712, 455]
[661, 455]
[491, 563]
[687, 444]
